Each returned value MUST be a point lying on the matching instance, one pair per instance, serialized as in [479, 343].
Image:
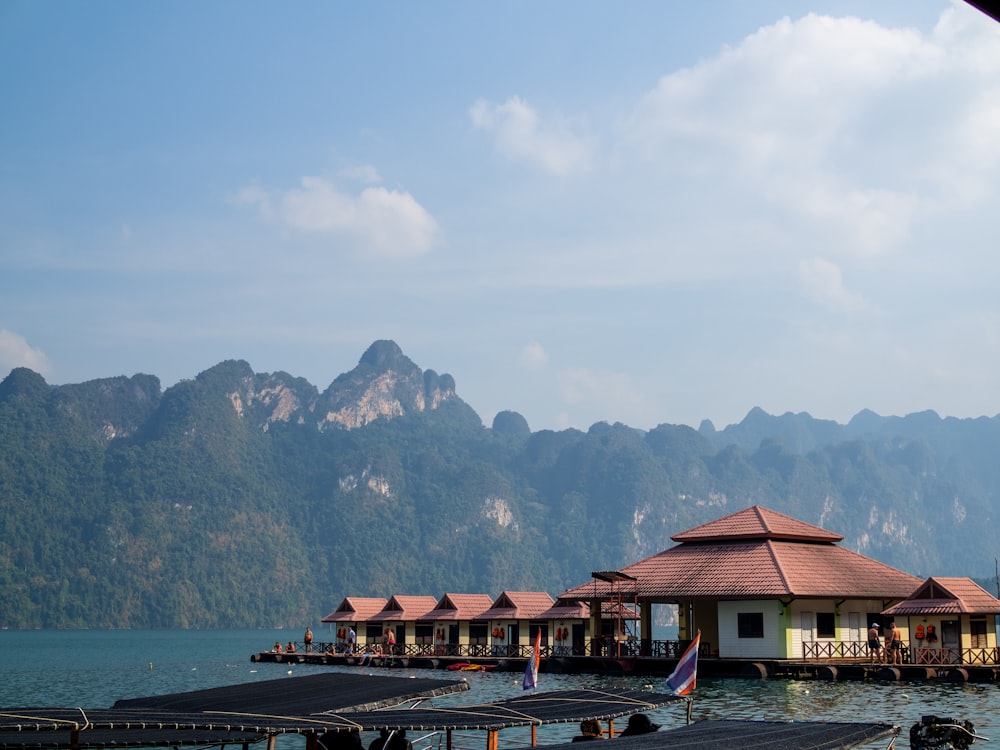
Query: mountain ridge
[239, 498]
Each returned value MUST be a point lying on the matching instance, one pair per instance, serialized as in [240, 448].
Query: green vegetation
[230, 500]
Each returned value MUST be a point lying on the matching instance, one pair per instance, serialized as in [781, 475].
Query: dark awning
[301, 696]
[748, 735]
[156, 726]
[549, 707]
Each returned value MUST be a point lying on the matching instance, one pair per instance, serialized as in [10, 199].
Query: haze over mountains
[243, 499]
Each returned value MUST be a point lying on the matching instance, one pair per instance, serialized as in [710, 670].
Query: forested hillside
[239, 499]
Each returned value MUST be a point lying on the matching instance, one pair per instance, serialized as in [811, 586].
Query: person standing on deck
[896, 644]
[873, 643]
[308, 639]
[351, 639]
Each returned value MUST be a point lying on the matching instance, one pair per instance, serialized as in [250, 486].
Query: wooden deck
[814, 669]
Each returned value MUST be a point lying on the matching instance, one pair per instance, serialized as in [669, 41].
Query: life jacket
[931, 635]
[919, 633]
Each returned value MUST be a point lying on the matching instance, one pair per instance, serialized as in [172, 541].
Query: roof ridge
[773, 551]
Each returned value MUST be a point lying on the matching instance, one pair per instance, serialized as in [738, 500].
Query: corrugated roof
[725, 734]
[157, 723]
[405, 608]
[356, 609]
[518, 605]
[757, 522]
[759, 569]
[947, 596]
[300, 696]
[460, 607]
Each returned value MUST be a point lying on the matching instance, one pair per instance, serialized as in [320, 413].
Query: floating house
[514, 618]
[948, 621]
[406, 617]
[455, 624]
[570, 626]
[759, 584]
[356, 612]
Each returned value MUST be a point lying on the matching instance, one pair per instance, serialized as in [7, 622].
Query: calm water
[93, 669]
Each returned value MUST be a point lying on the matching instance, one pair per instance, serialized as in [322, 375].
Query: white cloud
[521, 134]
[824, 283]
[533, 356]
[16, 352]
[381, 222]
[852, 129]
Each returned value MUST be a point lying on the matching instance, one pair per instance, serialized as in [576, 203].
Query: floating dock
[831, 670]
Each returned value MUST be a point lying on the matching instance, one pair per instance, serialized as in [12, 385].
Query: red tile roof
[757, 553]
[406, 608]
[459, 607]
[947, 596]
[518, 605]
[355, 609]
[757, 522]
[566, 609]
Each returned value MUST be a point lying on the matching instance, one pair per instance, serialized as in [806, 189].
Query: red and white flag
[682, 680]
[531, 671]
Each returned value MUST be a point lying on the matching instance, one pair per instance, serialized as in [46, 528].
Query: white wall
[734, 647]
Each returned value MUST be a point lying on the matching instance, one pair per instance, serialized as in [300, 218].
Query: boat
[464, 666]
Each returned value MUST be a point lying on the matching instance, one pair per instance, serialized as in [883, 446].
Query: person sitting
[639, 724]
[590, 729]
[367, 656]
[277, 648]
[290, 648]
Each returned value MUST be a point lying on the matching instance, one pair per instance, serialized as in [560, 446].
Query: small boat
[464, 666]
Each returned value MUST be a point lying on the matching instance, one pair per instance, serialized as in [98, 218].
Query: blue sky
[642, 212]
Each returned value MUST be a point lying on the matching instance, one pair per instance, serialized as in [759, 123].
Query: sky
[645, 212]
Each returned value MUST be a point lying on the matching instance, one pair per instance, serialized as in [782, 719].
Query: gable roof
[518, 605]
[947, 596]
[406, 608]
[459, 607]
[356, 609]
[757, 522]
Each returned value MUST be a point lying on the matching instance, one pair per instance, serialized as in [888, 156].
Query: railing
[595, 647]
[950, 655]
[835, 650]
[919, 655]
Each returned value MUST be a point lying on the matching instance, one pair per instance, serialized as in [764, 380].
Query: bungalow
[355, 612]
[456, 624]
[760, 584]
[948, 621]
[406, 617]
[514, 618]
[570, 624]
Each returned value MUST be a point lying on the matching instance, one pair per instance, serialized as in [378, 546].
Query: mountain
[241, 499]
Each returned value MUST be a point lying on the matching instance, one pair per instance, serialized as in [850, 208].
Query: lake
[93, 669]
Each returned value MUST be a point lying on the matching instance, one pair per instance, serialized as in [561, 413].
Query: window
[826, 625]
[750, 624]
[478, 634]
[423, 633]
[977, 629]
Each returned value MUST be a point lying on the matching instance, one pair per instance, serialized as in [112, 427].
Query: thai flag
[685, 674]
[531, 671]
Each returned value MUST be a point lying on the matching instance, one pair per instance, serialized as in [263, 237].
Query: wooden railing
[835, 649]
[859, 650]
[595, 647]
